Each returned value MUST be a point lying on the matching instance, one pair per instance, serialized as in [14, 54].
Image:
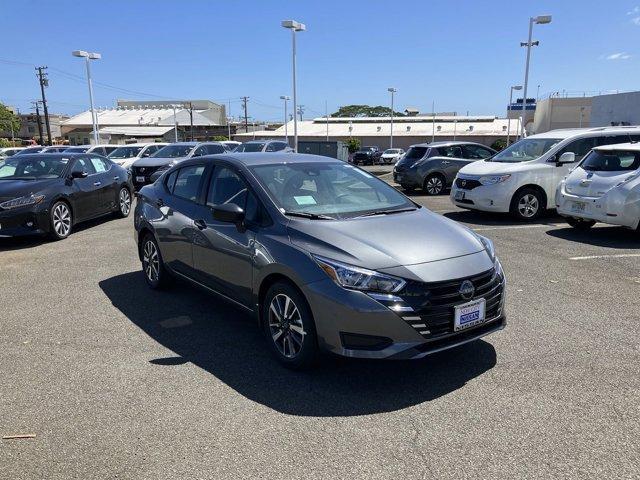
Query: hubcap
[125, 201]
[528, 205]
[61, 220]
[434, 185]
[285, 326]
[150, 261]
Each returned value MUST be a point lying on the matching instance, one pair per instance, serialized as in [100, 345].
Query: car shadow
[490, 218]
[611, 237]
[226, 342]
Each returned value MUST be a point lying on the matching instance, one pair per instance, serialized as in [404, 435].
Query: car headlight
[488, 246]
[493, 179]
[22, 202]
[357, 278]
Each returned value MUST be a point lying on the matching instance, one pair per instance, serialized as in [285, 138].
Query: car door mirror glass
[79, 174]
[228, 213]
[567, 157]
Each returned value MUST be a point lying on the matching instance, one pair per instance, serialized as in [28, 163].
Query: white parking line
[593, 257]
[517, 227]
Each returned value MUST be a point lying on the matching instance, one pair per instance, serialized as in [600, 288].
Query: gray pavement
[117, 381]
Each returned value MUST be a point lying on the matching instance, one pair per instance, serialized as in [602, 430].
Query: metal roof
[136, 131]
[139, 116]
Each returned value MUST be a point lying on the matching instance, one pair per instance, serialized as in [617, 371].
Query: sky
[462, 55]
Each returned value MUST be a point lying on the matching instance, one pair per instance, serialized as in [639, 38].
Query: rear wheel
[580, 224]
[289, 327]
[434, 184]
[124, 202]
[61, 221]
[527, 204]
[153, 267]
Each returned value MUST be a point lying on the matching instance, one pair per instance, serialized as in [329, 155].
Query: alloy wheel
[125, 202]
[61, 220]
[434, 185]
[285, 326]
[528, 205]
[151, 261]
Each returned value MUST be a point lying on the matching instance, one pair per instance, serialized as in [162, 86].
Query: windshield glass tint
[611, 161]
[31, 167]
[173, 151]
[250, 147]
[526, 149]
[125, 152]
[332, 189]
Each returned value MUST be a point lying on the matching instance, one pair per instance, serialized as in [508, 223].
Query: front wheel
[124, 202]
[580, 224]
[527, 204]
[289, 327]
[434, 184]
[61, 221]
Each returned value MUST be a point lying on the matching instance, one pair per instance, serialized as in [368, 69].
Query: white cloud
[635, 20]
[618, 56]
[634, 11]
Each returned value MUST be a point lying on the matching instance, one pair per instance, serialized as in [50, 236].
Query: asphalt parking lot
[117, 381]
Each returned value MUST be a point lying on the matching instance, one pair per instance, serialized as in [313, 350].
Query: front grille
[467, 184]
[434, 303]
[144, 171]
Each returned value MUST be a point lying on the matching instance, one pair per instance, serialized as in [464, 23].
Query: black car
[367, 155]
[48, 193]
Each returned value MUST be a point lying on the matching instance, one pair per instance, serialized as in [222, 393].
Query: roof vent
[408, 128]
[471, 128]
[504, 128]
[439, 127]
[379, 128]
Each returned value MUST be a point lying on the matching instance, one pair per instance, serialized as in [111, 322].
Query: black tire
[296, 346]
[153, 268]
[527, 204]
[434, 184]
[60, 220]
[124, 202]
[580, 224]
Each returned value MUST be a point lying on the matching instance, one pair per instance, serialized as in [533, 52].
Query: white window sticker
[305, 200]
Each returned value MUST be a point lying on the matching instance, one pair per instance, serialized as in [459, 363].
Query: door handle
[97, 184]
[201, 224]
[116, 178]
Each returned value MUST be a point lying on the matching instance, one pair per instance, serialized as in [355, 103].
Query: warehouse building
[407, 130]
[133, 121]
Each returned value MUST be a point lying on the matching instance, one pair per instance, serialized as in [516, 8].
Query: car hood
[157, 161]
[482, 167]
[10, 189]
[385, 241]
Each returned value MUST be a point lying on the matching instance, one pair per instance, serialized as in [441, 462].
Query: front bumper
[392, 328]
[24, 221]
[487, 198]
[617, 207]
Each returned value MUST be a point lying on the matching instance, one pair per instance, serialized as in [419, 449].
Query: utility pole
[44, 82]
[39, 121]
[300, 111]
[246, 116]
[191, 120]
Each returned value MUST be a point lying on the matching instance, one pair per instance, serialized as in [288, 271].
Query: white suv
[604, 187]
[522, 179]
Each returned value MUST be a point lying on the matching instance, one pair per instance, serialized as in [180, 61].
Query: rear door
[108, 181]
[452, 160]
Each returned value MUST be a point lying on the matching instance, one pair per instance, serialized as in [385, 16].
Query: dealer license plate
[459, 195]
[140, 179]
[578, 207]
[469, 314]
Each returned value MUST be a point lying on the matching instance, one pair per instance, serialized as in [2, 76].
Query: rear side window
[187, 183]
[611, 161]
[171, 180]
[612, 140]
[453, 151]
[99, 164]
[416, 153]
[475, 152]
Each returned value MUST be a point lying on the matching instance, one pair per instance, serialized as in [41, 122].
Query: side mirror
[228, 213]
[566, 157]
[79, 174]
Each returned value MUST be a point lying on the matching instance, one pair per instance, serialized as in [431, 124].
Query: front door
[223, 252]
[86, 196]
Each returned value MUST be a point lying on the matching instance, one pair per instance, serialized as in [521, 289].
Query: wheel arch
[267, 282]
[532, 186]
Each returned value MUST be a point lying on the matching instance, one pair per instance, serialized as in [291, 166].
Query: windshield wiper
[312, 216]
[387, 212]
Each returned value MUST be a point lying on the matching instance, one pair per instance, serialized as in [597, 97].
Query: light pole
[294, 27]
[541, 20]
[286, 99]
[391, 90]
[94, 119]
[515, 87]
[229, 120]
[175, 120]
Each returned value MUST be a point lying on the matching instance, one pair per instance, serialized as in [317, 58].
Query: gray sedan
[326, 256]
[433, 166]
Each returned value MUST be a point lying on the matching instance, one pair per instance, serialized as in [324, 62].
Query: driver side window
[83, 165]
[580, 147]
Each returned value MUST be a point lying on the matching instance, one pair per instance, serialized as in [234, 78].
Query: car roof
[595, 131]
[250, 159]
[635, 146]
[40, 156]
[445, 143]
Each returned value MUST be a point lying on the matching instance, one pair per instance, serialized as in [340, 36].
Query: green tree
[8, 119]
[353, 144]
[499, 144]
[365, 111]
[219, 138]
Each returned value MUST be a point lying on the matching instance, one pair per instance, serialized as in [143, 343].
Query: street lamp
[391, 90]
[229, 120]
[540, 20]
[515, 87]
[94, 119]
[175, 120]
[294, 27]
[286, 99]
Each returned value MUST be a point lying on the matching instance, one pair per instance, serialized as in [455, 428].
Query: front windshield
[525, 150]
[329, 189]
[392, 150]
[31, 167]
[174, 151]
[124, 152]
[250, 147]
[611, 161]
[76, 150]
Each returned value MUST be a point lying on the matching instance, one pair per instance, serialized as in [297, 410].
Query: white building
[144, 120]
[407, 130]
